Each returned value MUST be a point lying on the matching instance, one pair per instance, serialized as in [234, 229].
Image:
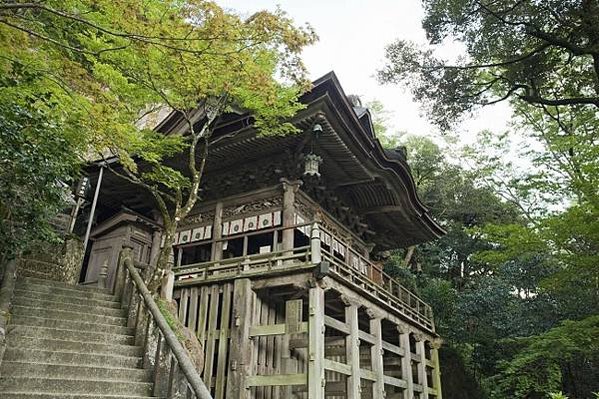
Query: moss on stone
[171, 319]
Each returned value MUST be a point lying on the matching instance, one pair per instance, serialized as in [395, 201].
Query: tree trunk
[163, 265]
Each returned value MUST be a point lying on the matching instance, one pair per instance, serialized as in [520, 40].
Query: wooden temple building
[277, 269]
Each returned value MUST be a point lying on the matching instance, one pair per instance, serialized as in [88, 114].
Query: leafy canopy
[105, 70]
[538, 52]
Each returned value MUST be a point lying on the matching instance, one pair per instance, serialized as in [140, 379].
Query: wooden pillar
[376, 355]
[421, 352]
[288, 214]
[240, 361]
[352, 347]
[217, 232]
[156, 239]
[435, 345]
[293, 321]
[316, 379]
[406, 361]
[315, 251]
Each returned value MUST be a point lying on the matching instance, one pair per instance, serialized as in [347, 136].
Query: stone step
[61, 284]
[28, 395]
[51, 313]
[72, 335]
[73, 307]
[62, 345]
[49, 370]
[27, 272]
[67, 385]
[68, 291]
[55, 297]
[69, 325]
[74, 358]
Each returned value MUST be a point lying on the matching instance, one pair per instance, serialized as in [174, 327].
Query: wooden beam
[316, 381]
[336, 324]
[337, 367]
[396, 382]
[275, 329]
[276, 380]
[295, 280]
[393, 348]
[364, 336]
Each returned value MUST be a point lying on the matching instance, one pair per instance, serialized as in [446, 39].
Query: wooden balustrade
[174, 374]
[348, 265]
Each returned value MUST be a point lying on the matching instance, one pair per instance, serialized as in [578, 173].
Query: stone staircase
[72, 342]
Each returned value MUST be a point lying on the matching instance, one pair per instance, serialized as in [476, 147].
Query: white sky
[353, 35]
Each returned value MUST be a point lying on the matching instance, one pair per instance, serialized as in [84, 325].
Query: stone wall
[58, 262]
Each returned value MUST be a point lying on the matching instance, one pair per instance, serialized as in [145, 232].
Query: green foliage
[535, 52]
[515, 262]
[536, 371]
[102, 71]
[36, 166]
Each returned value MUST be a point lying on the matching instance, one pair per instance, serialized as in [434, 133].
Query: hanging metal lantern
[312, 164]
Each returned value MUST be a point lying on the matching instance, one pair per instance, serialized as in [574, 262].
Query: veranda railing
[348, 265]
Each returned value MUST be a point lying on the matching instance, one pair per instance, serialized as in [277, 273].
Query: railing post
[179, 382]
[103, 275]
[288, 214]
[119, 278]
[168, 286]
[162, 369]
[315, 251]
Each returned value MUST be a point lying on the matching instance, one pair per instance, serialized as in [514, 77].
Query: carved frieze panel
[201, 218]
[253, 207]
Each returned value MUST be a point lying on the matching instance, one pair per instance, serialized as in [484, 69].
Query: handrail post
[103, 275]
[315, 251]
[177, 349]
[120, 276]
[168, 286]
